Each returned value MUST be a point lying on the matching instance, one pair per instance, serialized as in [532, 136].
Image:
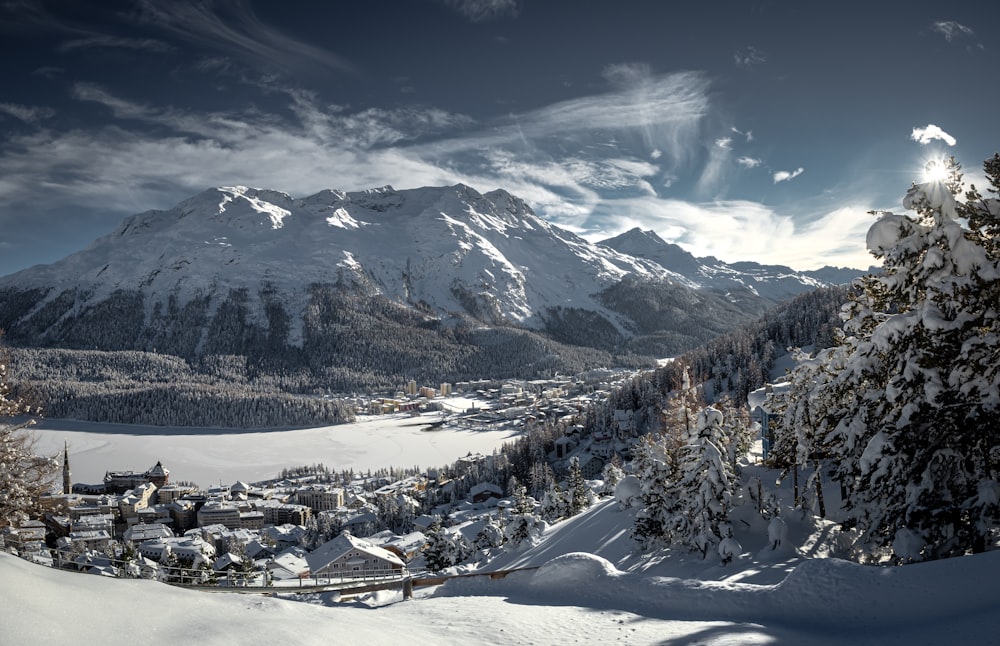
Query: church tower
[67, 483]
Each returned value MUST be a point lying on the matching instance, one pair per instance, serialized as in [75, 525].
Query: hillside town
[312, 524]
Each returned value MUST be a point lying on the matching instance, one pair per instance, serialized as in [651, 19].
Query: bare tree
[24, 475]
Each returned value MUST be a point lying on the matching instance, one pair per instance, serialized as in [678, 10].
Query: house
[283, 536]
[186, 548]
[289, 565]
[484, 491]
[625, 422]
[348, 557]
[563, 446]
[142, 533]
[227, 561]
[423, 522]
[362, 523]
[405, 547]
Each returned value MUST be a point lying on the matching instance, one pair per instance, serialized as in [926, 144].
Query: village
[312, 525]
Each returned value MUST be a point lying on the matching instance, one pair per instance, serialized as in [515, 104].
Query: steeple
[67, 482]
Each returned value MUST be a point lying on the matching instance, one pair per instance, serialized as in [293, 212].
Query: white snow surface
[211, 456]
[597, 595]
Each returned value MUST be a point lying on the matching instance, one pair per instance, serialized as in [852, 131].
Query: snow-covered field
[211, 456]
[765, 597]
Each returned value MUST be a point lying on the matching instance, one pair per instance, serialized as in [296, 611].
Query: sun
[935, 171]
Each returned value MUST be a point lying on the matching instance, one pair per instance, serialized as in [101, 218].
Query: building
[484, 491]
[143, 533]
[320, 498]
[186, 548]
[122, 481]
[139, 498]
[169, 493]
[66, 476]
[276, 512]
[219, 513]
[350, 557]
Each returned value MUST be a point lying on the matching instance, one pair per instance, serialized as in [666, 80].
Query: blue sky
[746, 130]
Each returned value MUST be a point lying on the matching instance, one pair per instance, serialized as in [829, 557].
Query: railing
[261, 581]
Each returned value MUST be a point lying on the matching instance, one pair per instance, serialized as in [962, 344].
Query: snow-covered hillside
[572, 597]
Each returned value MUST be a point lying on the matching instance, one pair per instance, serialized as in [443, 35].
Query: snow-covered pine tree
[24, 475]
[657, 466]
[523, 524]
[612, 475]
[576, 488]
[917, 433]
[555, 503]
[443, 550]
[806, 414]
[705, 490]
[491, 535]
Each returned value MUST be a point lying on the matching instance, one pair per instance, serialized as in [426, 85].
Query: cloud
[233, 28]
[784, 175]
[145, 44]
[662, 113]
[930, 133]
[27, 113]
[749, 57]
[951, 29]
[749, 162]
[748, 135]
[737, 230]
[482, 10]
[625, 75]
[724, 142]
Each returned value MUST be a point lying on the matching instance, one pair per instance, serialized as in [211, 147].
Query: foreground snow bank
[948, 598]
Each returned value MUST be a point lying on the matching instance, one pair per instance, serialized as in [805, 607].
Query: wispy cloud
[749, 162]
[145, 44]
[951, 30]
[724, 142]
[482, 10]
[27, 113]
[784, 175]
[233, 28]
[747, 136]
[749, 56]
[931, 132]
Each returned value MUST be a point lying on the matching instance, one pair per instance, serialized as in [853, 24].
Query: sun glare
[935, 170]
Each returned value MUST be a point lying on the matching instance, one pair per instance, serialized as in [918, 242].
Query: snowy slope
[449, 248]
[774, 282]
[576, 597]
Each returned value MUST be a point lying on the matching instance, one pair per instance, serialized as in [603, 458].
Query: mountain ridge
[400, 281]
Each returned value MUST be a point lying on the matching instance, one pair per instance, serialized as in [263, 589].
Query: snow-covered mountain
[446, 249]
[774, 282]
[379, 280]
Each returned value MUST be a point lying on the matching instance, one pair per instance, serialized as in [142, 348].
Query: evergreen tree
[915, 398]
[706, 488]
[577, 488]
[524, 525]
[657, 466]
[612, 475]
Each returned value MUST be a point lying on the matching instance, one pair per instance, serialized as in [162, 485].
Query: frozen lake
[213, 456]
